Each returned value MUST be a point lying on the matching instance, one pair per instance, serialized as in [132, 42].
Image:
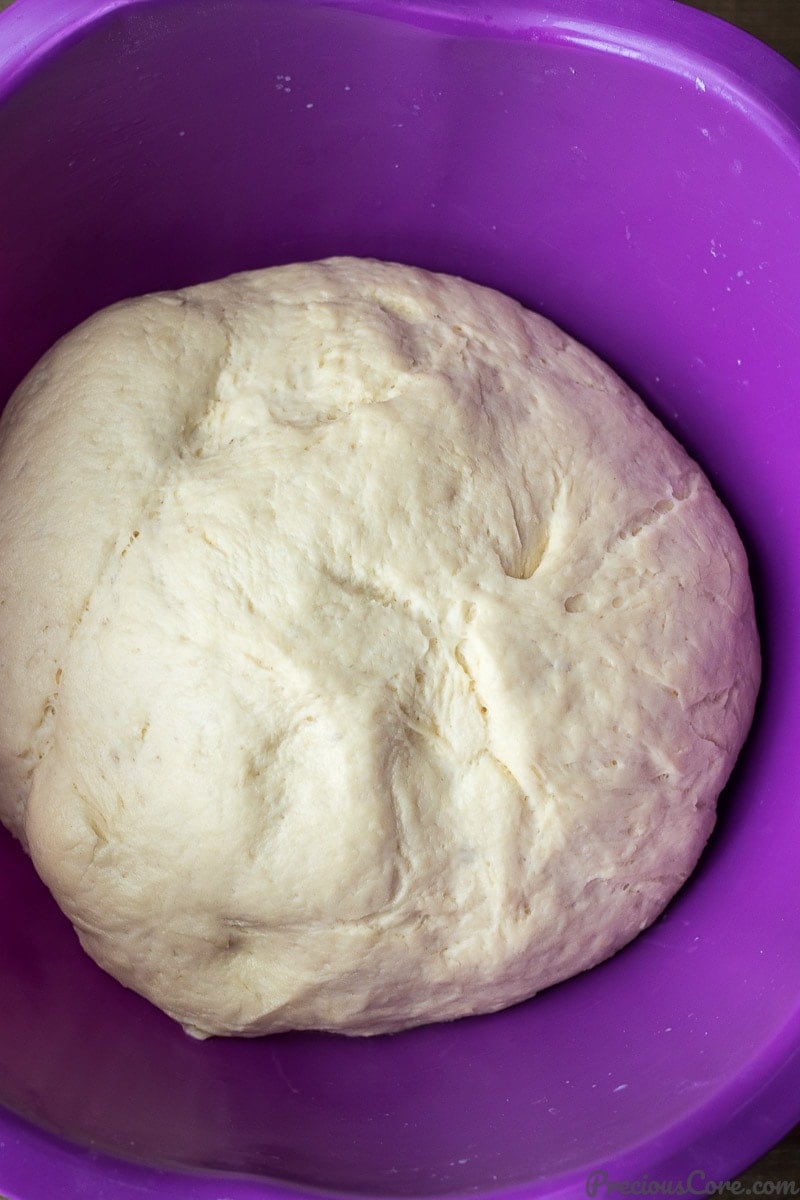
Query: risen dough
[371, 655]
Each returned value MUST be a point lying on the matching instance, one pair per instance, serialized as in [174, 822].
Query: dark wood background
[776, 22]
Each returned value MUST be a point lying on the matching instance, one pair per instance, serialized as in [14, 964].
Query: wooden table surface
[776, 22]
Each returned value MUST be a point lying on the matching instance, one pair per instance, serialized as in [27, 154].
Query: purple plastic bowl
[633, 170]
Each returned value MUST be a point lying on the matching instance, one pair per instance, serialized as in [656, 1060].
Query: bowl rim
[665, 32]
[758, 1105]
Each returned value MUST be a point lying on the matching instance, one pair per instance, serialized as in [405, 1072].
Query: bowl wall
[641, 186]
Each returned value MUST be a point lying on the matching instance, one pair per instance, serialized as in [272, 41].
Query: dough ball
[371, 655]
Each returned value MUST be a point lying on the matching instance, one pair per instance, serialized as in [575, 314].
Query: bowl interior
[633, 186]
